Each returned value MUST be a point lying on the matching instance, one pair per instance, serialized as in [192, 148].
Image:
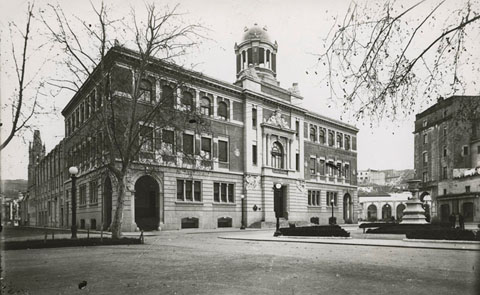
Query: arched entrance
[386, 212]
[468, 211]
[372, 213]
[400, 209]
[107, 204]
[147, 203]
[347, 208]
[444, 212]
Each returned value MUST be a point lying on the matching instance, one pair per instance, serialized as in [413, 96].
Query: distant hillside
[11, 187]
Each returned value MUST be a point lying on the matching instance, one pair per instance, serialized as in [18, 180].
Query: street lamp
[332, 221]
[277, 208]
[73, 174]
[243, 206]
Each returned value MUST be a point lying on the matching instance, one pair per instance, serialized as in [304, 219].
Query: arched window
[277, 155]
[321, 136]
[339, 140]
[187, 100]
[313, 134]
[168, 98]
[222, 110]
[145, 91]
[205, 106]
[347, 142]
[372, 213]
[331, 139]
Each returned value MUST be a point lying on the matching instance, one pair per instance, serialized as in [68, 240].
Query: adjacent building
[263, 148]
[447, 154]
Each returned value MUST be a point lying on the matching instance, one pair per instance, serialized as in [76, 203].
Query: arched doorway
[444, 212]
[400, 209]
[107, 204]
[147, 203]
[347, 208]
[468, 211]
[372, 213]
[386, 212]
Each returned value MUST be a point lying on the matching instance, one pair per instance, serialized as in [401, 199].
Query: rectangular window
[322, 167]
[83, 195]
[254, 154]
[168, 137]
[206, 147]
[254, 118]
[465, 150]
[93, 192]
[478, 149]
[444, 191]
[314, 198]
[146, 138]
[223, 192]
[189, 190]
[425, 176]
[222, 151]
[444, 173]
[197, 191]
[216, 192]
[425, 157]
[230, 192]
[444, 151]
[188, 145]
[445, 131]
[467, 188]
[425, 139]
[313, 162]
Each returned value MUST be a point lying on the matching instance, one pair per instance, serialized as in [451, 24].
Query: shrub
[443, 234]
[316, 231]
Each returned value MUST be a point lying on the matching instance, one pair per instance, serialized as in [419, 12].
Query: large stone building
[262, 143]
[447, 153]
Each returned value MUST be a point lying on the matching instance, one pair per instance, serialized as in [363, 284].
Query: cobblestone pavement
[189, 262]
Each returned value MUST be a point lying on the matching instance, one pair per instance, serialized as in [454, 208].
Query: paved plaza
[194, 262]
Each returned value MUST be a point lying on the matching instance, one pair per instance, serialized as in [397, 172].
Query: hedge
[316, 231]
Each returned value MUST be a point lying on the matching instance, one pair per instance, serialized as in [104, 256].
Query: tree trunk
[118, 217]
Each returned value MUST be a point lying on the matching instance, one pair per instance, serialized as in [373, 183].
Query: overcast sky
[299, 27]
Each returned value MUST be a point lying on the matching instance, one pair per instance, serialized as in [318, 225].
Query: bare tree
[381, 58]
[23, 105]
[126, 112]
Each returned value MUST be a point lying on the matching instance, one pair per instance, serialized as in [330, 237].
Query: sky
[299, 27]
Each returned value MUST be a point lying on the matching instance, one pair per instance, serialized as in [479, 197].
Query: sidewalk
[267, 236]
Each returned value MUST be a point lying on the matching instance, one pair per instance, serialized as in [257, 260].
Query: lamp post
[332, 201]
[73, 174]
[277, 208]
[243, 206]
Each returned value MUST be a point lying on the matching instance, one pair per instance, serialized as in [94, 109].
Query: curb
[443, 241]
[347, 243]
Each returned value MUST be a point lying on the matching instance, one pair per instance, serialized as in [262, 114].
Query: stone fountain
[414, 212]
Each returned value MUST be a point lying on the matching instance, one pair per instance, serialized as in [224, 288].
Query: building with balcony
[447, 153]
[262, 147]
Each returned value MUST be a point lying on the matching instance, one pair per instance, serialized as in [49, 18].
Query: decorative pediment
[277, 120]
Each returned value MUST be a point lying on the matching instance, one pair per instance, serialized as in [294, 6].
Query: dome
[256, 32]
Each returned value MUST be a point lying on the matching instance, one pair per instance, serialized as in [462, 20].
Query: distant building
[447, 151]
[382, 206]
[263, 143]
[386, 181]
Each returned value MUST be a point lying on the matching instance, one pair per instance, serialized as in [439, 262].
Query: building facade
[263, 150]
[447, 136]
[382, 206]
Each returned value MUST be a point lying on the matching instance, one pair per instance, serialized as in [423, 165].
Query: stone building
[382, 206]
[262, 144]
[447, 140]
